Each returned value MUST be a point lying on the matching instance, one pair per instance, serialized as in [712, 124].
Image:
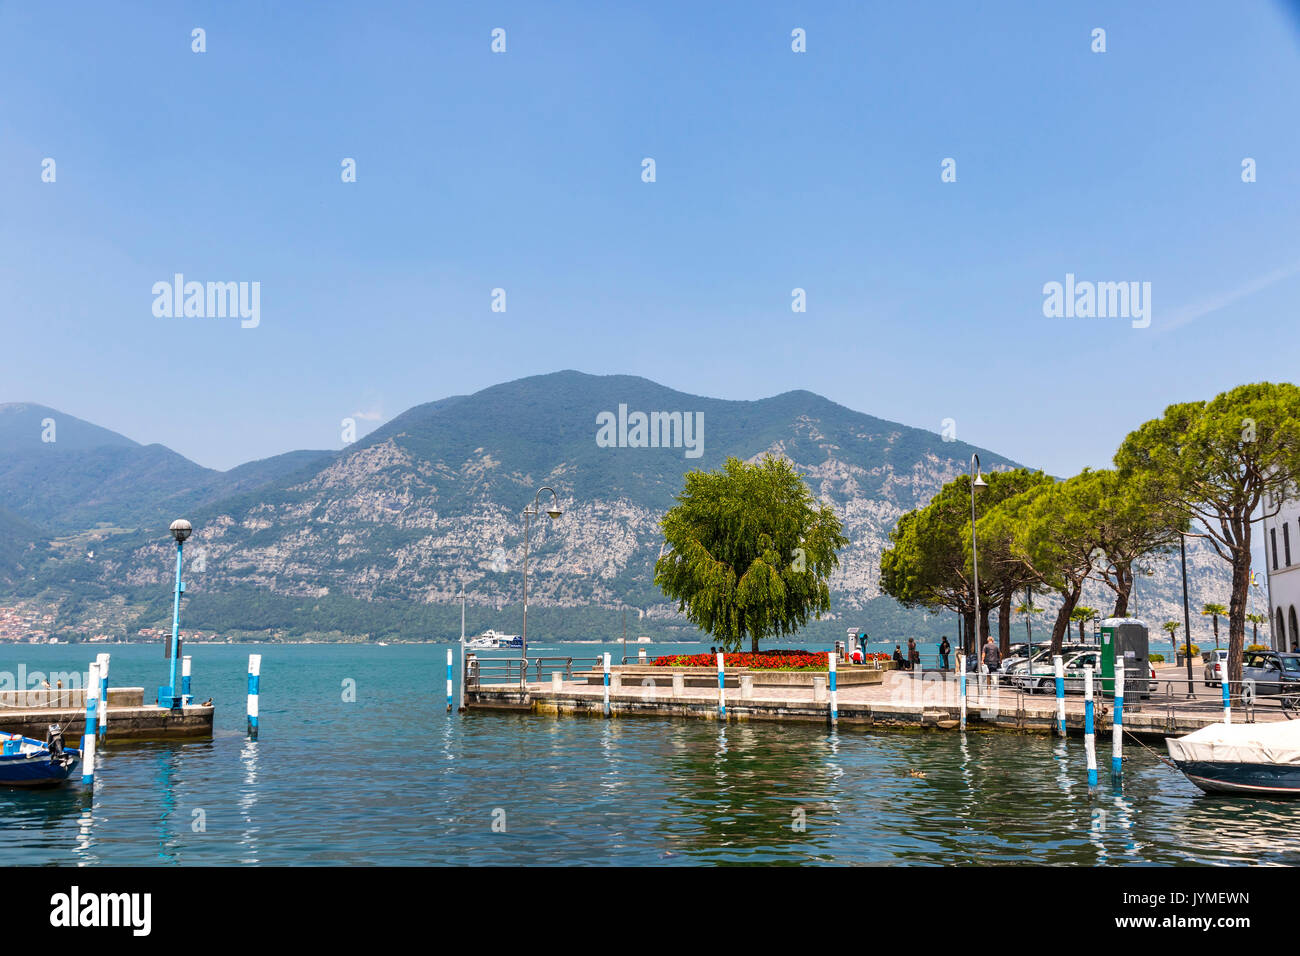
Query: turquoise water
[392, 778]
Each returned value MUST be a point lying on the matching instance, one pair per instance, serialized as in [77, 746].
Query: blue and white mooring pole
[722, 690]
[961, 686]
[254, 680]
[103, 696]
[1227, 696]
[606, 663]
[168, 696]
[88, 735]
[1058, 665]
[830, 676]
[449, 657]
[186, 665]
[1089, 738]
[1117, 725]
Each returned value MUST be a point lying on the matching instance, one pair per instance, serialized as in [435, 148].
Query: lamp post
[553, 512]
[976, 481]
[1187, 616]
[180, 529]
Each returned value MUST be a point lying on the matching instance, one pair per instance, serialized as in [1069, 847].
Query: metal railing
[480, 671]
[494, 670]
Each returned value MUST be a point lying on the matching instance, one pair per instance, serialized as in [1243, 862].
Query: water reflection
[248, 802]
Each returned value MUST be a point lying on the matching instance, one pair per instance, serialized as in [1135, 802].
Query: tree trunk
[753, 644]
[1237, 608]
[1069, 598]
[985, 609]
[968, 635]
[1004, 624]
[1123, 591]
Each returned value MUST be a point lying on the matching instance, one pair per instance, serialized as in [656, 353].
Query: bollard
[1058, 664]
[557, 681]
[722, 691]
[961, 686]
[606, 684]
[835, 706]
[679, 684]
[1227, 696]
[103, 696]
[449, 680]
[254, 679]
[1089, 745]
[88, 735]
[640, 656]
[1117, 724]
[746, 686]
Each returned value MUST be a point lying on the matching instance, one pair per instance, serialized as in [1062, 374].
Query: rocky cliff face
[434, 501]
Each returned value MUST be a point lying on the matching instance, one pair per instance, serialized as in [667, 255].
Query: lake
[389, 777]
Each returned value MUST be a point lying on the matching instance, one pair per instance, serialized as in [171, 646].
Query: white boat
[1256, 759]
[491, 640]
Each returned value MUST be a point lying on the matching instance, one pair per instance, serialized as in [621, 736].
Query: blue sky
[522, 171]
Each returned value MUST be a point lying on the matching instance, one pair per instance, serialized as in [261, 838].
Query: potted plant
[1182, 653]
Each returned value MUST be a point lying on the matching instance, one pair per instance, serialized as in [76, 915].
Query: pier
[30, 712]
[864, 699]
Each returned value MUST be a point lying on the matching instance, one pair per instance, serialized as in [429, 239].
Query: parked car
[1215, 661]
[1045, 657]
[1041, 675]
[1275, 675]
[1020, 653]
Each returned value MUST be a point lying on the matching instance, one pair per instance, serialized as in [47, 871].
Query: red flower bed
[763, 661]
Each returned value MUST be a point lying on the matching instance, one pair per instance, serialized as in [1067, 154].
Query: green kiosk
[1125, 637]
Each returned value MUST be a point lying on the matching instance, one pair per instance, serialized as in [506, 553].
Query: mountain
[65, 475]
[379, 538]
[23, 548]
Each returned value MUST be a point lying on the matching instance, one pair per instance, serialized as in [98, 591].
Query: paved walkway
[927, 697]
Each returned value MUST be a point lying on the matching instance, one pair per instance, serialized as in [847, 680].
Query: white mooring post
[961, 686]
[254, 680]
[1227, 696]
[1117, 725]
[88, 734]
[722, 688]
[835, 706]
[1058, 665]
[103, 710]
[449, 660]
[187, 665]
[1089, 742]
[606, 683]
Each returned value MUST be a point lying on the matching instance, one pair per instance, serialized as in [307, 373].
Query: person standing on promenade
[992, 659]
[944, 650]
[913, 655]
[899, 663]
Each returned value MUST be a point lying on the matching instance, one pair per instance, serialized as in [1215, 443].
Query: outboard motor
[54, 741]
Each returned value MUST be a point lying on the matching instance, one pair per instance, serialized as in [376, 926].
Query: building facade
[1282, 558]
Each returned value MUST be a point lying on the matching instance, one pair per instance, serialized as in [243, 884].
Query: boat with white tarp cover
[1261, 759]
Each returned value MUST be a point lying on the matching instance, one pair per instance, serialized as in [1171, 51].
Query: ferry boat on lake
[490, 640]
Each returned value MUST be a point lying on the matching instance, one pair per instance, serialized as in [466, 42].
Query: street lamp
[976, 482]
[1187, 616]
[552, 512]
[180, 530]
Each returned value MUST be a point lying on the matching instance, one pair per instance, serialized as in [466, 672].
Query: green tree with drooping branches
[750, 552]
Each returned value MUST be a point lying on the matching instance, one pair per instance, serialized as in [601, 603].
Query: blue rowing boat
[25, 762]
